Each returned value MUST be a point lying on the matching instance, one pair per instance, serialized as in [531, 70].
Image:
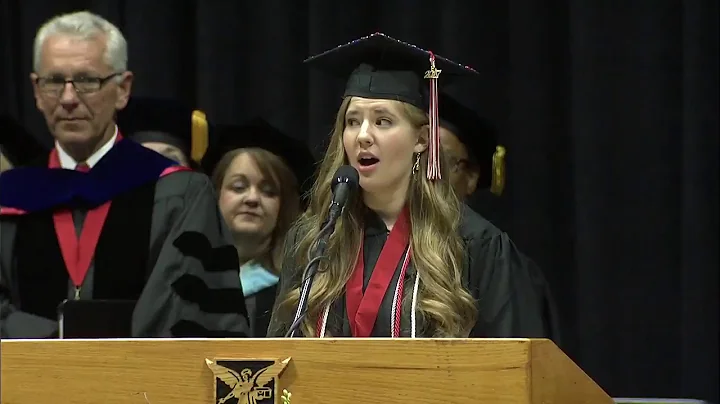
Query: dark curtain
[608, 110]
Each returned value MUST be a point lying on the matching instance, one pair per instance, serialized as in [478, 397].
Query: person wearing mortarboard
[477, 163]
[100, 217]
[167, 127]
[259, 175]
[17, 146]
[406, 260]
[475, 159]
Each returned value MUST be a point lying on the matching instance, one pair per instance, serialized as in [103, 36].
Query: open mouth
[368, 161]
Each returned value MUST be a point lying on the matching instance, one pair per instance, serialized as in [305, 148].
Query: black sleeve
[551, 315]
[13, 322]
[501, 281]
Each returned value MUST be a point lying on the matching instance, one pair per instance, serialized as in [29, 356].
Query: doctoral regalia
[494, 274]
[162, 244]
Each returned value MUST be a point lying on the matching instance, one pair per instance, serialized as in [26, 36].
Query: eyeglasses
[54, 86]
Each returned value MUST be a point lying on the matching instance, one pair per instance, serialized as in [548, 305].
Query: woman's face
[380, 143]
[249, 202]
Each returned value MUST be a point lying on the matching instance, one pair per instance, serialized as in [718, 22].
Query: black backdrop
[608, 109]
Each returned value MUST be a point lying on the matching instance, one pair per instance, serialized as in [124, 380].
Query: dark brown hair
[275, 170]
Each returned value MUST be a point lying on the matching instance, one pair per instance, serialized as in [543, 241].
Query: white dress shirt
[69, 163]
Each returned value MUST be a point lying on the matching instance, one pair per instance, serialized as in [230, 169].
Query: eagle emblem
[252, 382]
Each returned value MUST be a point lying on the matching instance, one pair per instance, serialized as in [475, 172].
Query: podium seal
[248, 381]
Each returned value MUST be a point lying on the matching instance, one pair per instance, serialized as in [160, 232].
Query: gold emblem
[433, 73]
[248, 381]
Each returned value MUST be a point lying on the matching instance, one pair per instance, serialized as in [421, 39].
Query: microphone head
[346, 175]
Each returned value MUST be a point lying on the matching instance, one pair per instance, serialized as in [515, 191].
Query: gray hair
[86, 25]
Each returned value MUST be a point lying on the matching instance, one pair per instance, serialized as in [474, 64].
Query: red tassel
[433, 169]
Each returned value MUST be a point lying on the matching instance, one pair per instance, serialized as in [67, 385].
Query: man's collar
[69, 163]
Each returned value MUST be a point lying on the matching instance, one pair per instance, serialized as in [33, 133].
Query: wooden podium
[320, 371]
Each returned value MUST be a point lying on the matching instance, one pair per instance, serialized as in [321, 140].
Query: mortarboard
[17, 144]
[258, 133]
[168, 121]
[381, 67]
[479, 137]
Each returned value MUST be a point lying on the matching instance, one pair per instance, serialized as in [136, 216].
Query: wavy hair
[445, 308]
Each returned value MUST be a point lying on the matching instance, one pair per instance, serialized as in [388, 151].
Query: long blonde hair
[276, 171]
[445, 308]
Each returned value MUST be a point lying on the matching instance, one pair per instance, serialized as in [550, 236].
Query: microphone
[345, 182]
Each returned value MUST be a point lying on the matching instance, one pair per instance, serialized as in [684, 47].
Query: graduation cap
[381, 67]
[168, 121]
[17, 144]
[479, 137]
[258, 133]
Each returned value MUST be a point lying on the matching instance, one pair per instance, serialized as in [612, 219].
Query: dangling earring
[416, 166]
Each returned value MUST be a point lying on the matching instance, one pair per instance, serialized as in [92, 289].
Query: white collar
[69, 163]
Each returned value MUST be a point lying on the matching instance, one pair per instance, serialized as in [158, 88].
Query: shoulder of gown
[500, 278]
[183, 183]
[196, 272]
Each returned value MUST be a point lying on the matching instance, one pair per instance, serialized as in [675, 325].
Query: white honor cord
[324, 321]
[396, 296]
[300, 304]
[413, 320]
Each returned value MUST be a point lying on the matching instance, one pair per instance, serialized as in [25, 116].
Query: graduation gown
[491, 207]
[259, 306]
[493, 273]
[163, 245]
[260, 287]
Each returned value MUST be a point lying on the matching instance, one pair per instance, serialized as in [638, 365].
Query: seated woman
[258, 173]
[406, 259]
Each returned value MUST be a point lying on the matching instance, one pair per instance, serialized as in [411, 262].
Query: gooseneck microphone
[345, 182]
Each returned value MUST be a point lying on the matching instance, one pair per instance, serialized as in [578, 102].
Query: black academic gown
[259, 307]
[163, 245]
[493, 273]
[491, 207]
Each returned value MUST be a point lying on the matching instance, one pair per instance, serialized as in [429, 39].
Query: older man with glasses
[103, 219]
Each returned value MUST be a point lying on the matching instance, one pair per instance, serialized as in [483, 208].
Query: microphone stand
[312, 267]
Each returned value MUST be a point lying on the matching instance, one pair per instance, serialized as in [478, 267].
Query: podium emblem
[248, 381]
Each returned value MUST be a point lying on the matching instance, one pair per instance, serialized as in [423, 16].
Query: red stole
[77, 252]
[363, 308]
